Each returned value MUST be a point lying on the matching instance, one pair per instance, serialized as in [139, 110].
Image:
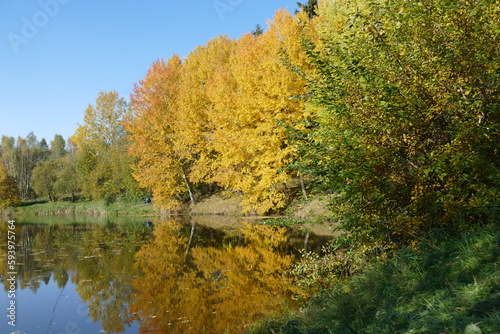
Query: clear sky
[56, 55]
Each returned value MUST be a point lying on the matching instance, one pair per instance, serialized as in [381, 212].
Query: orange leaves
[151, 132]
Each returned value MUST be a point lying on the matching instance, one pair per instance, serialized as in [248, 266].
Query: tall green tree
[56, 175]
[310, 8]
[408, 98]
[9, 154]
[257, 31]
[67, 183]
[103, 165]
[57, 147]
[43, 152]
[21, 158]
[44, 178]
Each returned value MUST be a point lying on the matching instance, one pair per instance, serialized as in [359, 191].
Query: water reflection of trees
[187, 277]
[42, 254]
[105, 272]
[214, 289]
[98, 259]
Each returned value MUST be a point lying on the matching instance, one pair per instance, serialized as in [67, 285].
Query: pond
[91, 274]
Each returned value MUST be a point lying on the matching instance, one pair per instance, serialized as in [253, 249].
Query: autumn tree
[9, 194]
[253, 102]
[195, 104]
[406, 134]
[160, 167]
[102, 162]
[221, 118]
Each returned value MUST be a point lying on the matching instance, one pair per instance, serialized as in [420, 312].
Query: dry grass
[217, 205]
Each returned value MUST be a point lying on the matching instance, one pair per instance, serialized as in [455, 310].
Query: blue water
[130, 277]
[52, 310]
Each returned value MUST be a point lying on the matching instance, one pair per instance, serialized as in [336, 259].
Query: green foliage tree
[408, 118]
[44, 177]
[9, 154]
[57, 147]
[257, 31]
[20, 157]
[43, 151]
[103, 165]
[56, 176]
[67, 182]
[310, 8]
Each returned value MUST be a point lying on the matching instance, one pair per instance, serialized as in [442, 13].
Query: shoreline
[306, 215]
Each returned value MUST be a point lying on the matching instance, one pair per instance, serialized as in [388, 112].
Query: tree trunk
[303, 187]
[193, 225]
[306, 241]
[191, 197]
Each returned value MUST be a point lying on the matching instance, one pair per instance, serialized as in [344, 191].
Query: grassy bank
[312, 210]
[448, 285]
[84, 207]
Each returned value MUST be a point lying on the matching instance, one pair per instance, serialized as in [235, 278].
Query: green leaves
[404, 94]
[102, 162]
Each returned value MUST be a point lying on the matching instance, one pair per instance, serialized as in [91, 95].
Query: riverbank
[444, 285]
[303, 215]
[83, 207]
[312, 210]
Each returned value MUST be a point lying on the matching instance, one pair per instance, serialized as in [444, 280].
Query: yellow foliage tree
[221, 117]
[255, 99]
[9, 194]
[196, 106]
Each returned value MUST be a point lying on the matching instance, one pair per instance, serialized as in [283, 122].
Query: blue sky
[56, 55]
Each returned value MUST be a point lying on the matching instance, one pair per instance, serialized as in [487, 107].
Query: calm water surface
[81, 274]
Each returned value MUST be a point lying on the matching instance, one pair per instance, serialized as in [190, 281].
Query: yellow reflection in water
[212, 290]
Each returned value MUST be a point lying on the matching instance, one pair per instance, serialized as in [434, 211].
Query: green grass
[447, 286]
[85, 207]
